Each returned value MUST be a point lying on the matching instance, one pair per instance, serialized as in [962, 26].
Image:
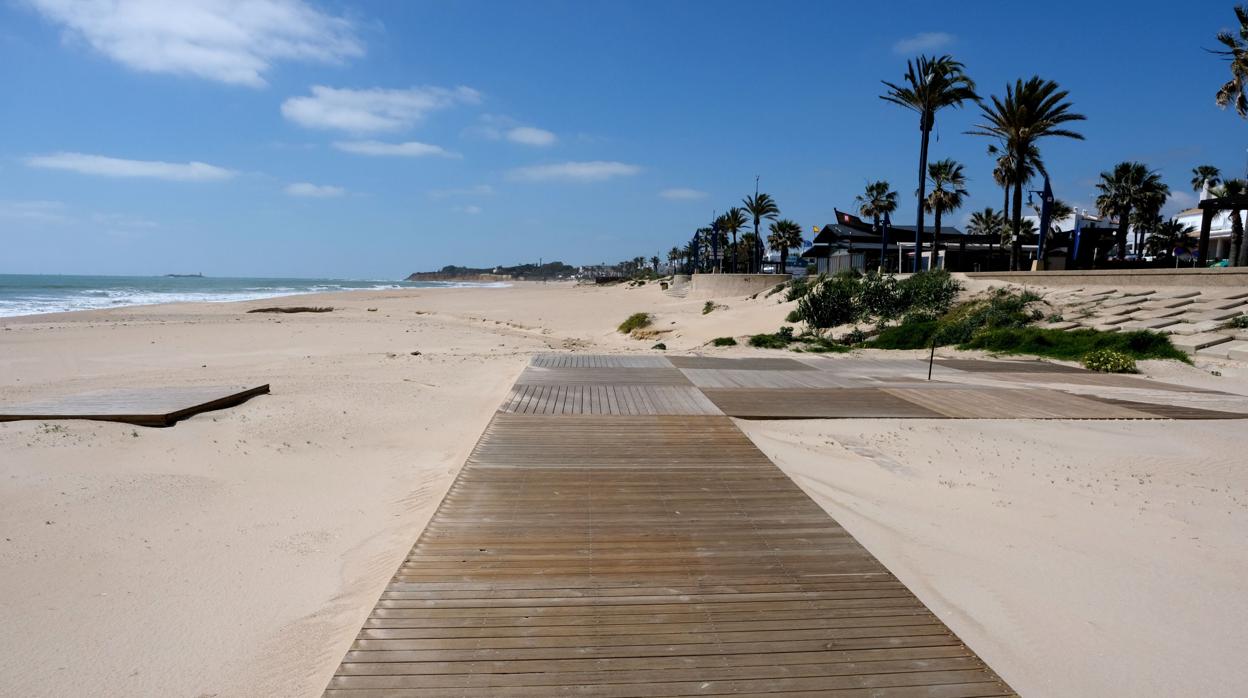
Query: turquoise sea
[30, 294]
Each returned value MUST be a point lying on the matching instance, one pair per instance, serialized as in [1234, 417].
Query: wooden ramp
[643, 554]
[150, 407]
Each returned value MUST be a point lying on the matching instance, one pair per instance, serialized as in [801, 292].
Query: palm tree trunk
[1243, 248]
[935, 237]
[1016, 247]
[1005, 209]
[1120, 238]
[736, 252]
[756, 264]
[925, 121]
[1237, 240]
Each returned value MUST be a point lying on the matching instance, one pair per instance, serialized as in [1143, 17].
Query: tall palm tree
[673, 256]
[1205, 177]
[948, 191]
[988, 222]
[731, 223]
[1236, 53]
[929, 85]
[759, 206]
[1029, 111]
[690, 253]
[1130, 186]
[654, 263]
[875, 201]
[785, 235]
[1235, 188]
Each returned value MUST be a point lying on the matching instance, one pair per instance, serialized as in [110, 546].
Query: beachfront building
[1219, 231]
[852, 243]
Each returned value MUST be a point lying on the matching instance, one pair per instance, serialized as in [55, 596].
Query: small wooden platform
[149, 407]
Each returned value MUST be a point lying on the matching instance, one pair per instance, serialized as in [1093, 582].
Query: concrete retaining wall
[1237, 276]
[727, 285]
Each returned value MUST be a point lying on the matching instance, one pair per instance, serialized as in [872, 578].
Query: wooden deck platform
[150, 407]
[614, 534]
[626, 539]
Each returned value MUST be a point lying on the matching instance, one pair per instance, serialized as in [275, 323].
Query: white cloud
[34, 211]
[682, 194]
[528, 135]
[230, 41]
[477, 190]
[1180, 200]
[121, 220]
[923, 41]
[410, 149]
[316, 191]
[372, 110]
[470, 210]
[496, 127]
[83, 163]
[592, 171]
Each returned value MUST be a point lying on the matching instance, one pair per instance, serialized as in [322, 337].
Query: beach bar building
[852, 243]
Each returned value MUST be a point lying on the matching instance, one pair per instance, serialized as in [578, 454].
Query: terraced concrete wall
[724, 285]
[1114, 277]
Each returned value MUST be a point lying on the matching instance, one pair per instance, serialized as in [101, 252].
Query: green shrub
[708, 307]
[908, 335]
[831, 302]
[775, 289]
[793, 316]
[1109, 361]
[1239, 322]
[779, 340]
[1073, 345]
[660, 346]
[635, 321]
[1055, 317]
[800, 287]
[931, 291]
[854, 336]
[1001, 309]
[877, 295]
[724, 342]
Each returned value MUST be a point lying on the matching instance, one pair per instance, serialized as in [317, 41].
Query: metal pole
[931, 359]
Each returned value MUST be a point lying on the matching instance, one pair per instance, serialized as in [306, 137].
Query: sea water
[30, 294]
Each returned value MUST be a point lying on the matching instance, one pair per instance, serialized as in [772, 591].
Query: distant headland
[196, 275]
[549, 270]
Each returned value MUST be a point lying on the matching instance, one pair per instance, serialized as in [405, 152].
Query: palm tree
[785, 235]
[1029, 111]
[759, 206]
[1165, 237]
[1235, 188]
[690, 253]
[948, 190]
[1236, 53]
[929, 85]
[673, 256]
[877, 200]
[1205, 177]
[987, 222]
[1130, 186]
[732, 223]
[654, 263]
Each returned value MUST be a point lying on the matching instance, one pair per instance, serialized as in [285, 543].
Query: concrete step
[1194, 342]
[1233, 350]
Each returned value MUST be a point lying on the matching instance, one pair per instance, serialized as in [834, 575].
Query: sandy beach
[237, 553]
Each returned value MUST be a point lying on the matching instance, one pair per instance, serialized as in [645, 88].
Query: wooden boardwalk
[149, 407]
[614, 534]
[642, 553]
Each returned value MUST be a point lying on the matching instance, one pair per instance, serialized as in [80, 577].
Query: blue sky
[372, 139]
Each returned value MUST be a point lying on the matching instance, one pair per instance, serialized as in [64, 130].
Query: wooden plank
[998, 403]
[744, 364]
[1168, 411]
[831, 403]
[156, 407]
[983, 366]
[614, 376]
